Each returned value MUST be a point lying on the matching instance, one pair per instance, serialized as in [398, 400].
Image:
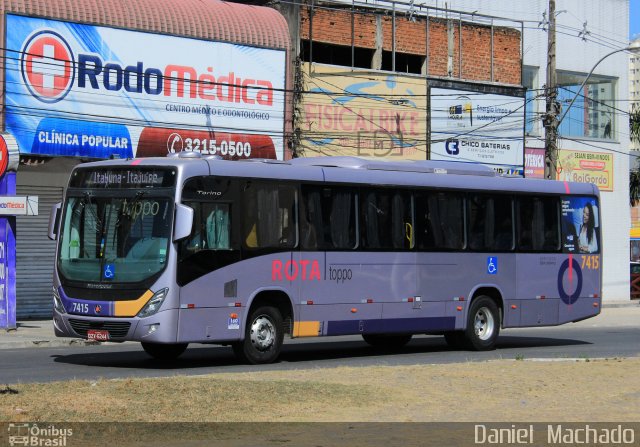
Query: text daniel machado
[555, 434]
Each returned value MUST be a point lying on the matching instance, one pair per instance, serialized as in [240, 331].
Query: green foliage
[634, 187]
[634, 126]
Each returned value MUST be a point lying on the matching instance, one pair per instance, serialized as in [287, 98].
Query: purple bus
[192, 249]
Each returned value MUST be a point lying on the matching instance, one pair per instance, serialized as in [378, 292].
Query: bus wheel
[262, 338]
[387, 341]
[456, 339]
[483, 324]
[164, 351]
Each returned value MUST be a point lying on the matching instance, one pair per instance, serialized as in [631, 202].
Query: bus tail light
[57, 302]
[154, 303]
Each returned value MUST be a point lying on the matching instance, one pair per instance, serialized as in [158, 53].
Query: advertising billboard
[477, 127]
[580, 225]
[586, 167]
[363, 114]
[7, 258]
[534, 162]
[82, 90]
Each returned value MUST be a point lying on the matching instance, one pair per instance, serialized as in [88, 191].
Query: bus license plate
[98, 335]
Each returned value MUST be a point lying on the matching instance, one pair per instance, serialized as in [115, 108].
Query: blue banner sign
[74, 89]
[7, 259]
[56, 136]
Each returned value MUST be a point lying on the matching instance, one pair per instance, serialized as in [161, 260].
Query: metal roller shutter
[35, 255]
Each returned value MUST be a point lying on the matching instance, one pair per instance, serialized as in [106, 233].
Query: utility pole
[551, 93]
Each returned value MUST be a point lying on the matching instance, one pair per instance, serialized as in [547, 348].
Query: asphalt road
[129, 360]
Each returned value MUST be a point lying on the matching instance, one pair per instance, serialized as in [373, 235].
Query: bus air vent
[382, 164]
[117, 329]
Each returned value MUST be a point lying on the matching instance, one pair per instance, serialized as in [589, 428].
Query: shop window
[326, 53]
[592, 115]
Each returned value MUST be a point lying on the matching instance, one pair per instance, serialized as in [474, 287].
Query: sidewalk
[35, 334]
[39, 333]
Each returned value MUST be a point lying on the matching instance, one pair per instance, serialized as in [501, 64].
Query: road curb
[618, 304]
[48, 343]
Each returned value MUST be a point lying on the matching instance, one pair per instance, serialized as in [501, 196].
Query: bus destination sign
[125, 178]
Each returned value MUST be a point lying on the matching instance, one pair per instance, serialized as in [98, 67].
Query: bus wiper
[128, 210]
[86, 200]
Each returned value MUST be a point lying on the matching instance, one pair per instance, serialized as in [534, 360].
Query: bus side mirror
[54, 221]
[183, 223]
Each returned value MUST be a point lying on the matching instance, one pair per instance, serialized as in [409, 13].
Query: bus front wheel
[161, 351]
[483, 325]
[262, 338]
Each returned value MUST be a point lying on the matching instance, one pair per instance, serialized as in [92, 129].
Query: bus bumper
[158, 328]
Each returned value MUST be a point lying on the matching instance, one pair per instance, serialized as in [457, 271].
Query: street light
[552, 123]
[632, 49]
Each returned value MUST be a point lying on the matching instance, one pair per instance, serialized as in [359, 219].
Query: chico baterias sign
[81, 90]
[476, 127]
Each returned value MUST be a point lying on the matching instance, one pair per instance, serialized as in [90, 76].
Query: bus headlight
[57, 302]
[154, 303]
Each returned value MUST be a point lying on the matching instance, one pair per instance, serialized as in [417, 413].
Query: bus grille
[116, 329]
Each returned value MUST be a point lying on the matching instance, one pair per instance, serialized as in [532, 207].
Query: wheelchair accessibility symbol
[492, 265]
[109, 271]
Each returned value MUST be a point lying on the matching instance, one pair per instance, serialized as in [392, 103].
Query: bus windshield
[114, 239]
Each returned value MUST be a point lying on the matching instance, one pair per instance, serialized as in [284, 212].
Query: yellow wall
[363, 114]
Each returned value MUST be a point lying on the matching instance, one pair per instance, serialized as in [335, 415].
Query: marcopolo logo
[48, 66]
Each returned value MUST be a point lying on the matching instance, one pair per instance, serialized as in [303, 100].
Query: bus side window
[478, 220]
[310, 221]
[327, 219]
[217, 227]
[525, 223]
[341, 219]
[503, 231]
[402, 221]
[374, 212]
[538, 224]
[269, 215]
[384, 217]
[439, 221]
[490, 223]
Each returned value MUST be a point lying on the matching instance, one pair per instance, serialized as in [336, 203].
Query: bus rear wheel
[165, 352]
[262, 338]
[387, 341]
[483, 324]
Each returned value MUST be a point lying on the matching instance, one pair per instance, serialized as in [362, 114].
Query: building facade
[634, 84]
[379, 80]
[594, 135]
[417, 50]
[85, 81]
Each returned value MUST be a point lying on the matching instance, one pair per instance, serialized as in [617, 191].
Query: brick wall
[334, 27]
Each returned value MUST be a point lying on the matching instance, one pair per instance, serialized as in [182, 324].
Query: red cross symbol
[48, 66]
